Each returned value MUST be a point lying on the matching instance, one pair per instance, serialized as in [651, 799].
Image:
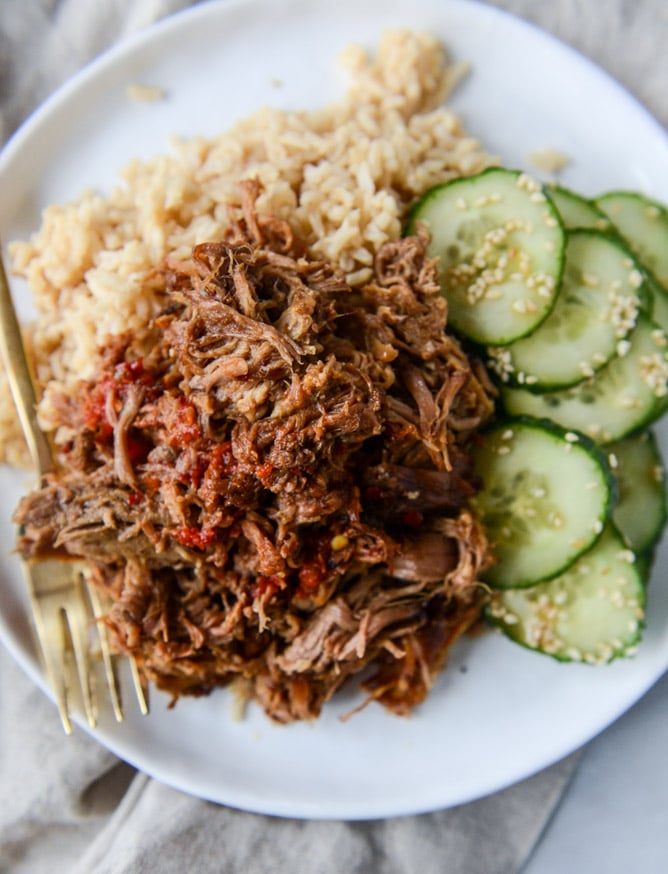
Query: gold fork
[66, 610]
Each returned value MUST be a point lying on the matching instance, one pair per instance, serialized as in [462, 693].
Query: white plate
[499, 713]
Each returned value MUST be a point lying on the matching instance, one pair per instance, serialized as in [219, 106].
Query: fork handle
[20, 379]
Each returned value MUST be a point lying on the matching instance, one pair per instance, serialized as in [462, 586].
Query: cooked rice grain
[343, 177]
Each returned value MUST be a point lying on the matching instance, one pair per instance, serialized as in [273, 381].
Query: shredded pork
[275, 492]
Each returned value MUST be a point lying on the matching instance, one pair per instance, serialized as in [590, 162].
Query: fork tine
[62, 620]
[51, 639]
[78, 617]
[140, 690]
[105, 650]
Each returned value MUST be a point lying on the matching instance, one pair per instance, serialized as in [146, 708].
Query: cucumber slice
[644, 564]
[576, 211]
[659, 299]
[592, 613]
[546, 495]
[601, 293]
[627, 394]
[644, 225]
[640, 512]
[500, 244]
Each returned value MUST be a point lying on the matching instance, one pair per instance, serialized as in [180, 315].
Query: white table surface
[614, 815]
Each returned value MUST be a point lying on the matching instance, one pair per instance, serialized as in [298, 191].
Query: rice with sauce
[343, 177]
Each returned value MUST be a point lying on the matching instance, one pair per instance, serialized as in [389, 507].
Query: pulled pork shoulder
[275, 492]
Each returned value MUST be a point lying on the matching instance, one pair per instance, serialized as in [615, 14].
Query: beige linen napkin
[67, 805]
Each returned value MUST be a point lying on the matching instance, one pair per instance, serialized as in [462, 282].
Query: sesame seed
[623, 314]
[528, 183]
[626, 555]
[605, 650]
[617, 599]
[500, 362]
[654, 373]
[487, 200]
[635, 279]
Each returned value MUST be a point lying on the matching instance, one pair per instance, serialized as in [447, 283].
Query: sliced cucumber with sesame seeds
[601, 293]
[640, 511]
[627, 394]
[643, 223]
[576, 211]
[594, 612]
[501, 244]
[546, 495]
